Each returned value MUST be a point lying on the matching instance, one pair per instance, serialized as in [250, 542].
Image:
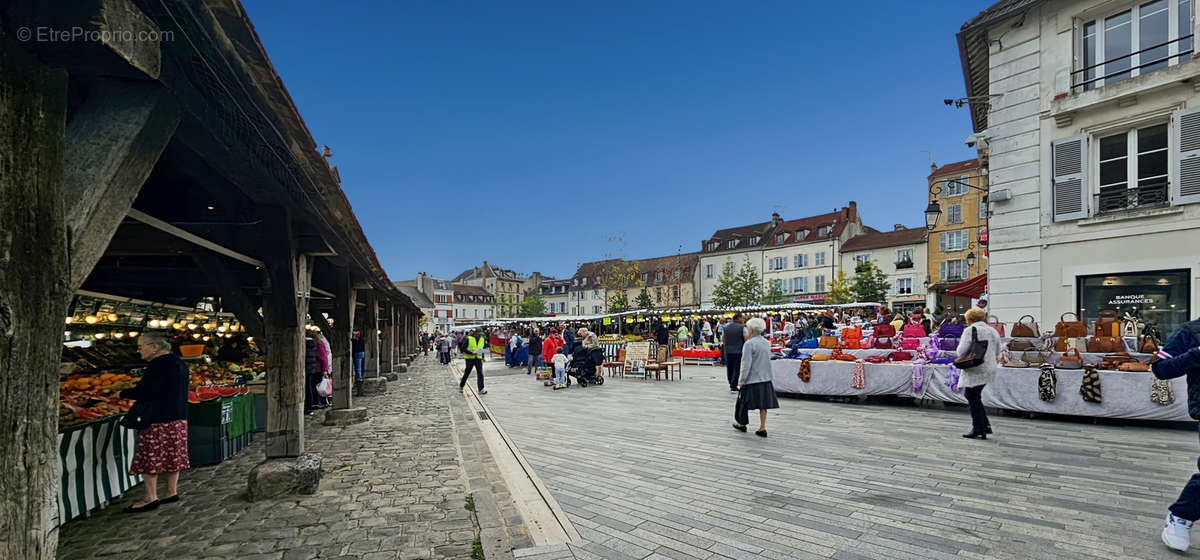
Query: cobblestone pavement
[652, 469]
[393, 487]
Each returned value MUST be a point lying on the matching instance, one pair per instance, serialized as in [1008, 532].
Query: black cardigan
[164, 386]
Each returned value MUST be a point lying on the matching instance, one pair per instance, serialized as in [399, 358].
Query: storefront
[1160, 297]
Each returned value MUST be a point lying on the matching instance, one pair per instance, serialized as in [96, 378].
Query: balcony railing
[904, 264]
[1117, 199]
[1077, 76]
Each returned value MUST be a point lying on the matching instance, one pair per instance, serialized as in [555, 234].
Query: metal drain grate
[482, 414]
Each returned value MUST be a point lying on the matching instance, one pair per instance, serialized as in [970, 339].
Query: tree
[643, 300]
[533, 306]
[839, 290]
[738, 289]
[870, 284]
[619, 301]
[774, 293]
[616, 276]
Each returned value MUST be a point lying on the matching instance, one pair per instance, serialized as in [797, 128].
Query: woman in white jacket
[973, 380]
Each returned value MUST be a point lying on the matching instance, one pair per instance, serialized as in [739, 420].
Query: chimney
[898, 227]
[932, 167]
[775, 219]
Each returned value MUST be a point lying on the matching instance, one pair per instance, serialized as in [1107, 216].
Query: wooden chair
[661, 363]
[618, 366]
[673, 364]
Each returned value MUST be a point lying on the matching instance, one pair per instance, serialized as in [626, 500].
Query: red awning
[972, 288]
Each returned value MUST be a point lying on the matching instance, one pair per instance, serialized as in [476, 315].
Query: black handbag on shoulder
[138, 417]
[975, 354]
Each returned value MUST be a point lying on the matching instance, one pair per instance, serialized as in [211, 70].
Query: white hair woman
[755, 388]
[160, 417]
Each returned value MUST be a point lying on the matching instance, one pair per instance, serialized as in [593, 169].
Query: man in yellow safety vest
[476, 346]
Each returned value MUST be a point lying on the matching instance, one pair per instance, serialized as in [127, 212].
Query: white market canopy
[677, 311]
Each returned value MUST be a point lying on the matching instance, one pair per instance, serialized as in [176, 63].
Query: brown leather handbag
[1025, 329]
[1020, 345]
[1134, 366]
[1069, 361]
[1066, 343]
[1105, 345]
[827, 342]
[1107, 324]
[1114, 360]
[1148, 345]
[1065, 328]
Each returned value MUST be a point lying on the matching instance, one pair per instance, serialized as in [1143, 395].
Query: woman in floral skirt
[162, 446]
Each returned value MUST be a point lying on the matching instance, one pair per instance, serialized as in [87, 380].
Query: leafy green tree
[749, 284]
[839, 290]
[533, 306]
[618, 302]
[725, 292]
[774, 293]
[643, 300]
[870, 284]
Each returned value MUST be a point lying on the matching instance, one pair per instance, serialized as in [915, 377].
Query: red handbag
[877, 359]
[914, 329]
[995, 323]
[900, 356]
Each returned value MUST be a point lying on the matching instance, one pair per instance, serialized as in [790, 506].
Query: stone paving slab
[393, 487]
[652, 469]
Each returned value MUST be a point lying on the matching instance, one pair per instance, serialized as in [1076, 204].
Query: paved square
[652, 469]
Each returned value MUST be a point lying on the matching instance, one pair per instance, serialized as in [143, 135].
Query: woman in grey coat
[972, 380]
[755, 388]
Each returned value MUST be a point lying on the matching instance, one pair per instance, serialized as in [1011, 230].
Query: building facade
[555, 295]
[423, 303]
[472, 304]
[1093, 152]
[955, 237]
[900, 254]
[586, 294]
[507, 286]
[731, 248]
[802, 256]
[441, 293]
[669, 281]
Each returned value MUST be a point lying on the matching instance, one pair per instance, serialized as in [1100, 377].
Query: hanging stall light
[118, 335]
[70, 319]
[192, 326]
[91, 319]
[206, 338]
[196, 336]
[112, 317]
[178, 326]
[221, 329]
[99, 335]
[133, 334]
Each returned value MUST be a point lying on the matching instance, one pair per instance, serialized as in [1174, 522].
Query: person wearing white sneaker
[1179, 357]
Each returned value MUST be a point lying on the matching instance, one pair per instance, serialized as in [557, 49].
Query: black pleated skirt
[759, 396]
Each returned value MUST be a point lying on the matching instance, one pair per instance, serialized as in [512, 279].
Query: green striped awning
[94, 458]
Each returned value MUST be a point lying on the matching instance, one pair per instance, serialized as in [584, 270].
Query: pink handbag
[913, 330]
[910, 343]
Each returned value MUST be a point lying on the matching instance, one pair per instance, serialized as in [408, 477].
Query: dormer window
[585, 281]
[754, 240]
[780, 237]
[732, 243]
[824, 231]
[712, 245]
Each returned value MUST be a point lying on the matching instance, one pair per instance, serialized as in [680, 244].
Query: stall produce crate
[209, 445]
[220, 428]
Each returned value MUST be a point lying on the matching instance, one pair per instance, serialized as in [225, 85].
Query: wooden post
[34, 269]
[402, 333]
[285, 304]
[339, 343]
[370, 330]
[387, 358]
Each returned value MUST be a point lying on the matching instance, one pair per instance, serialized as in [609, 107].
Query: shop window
[1160, 297]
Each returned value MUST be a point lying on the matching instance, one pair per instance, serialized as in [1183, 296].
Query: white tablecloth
[1125, 394]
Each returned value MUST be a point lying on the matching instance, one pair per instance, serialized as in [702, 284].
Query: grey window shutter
[1070, 184]
[1186, 187]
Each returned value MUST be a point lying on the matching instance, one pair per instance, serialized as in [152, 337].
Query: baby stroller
[585, 366]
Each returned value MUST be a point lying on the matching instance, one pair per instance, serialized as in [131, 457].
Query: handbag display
[995, 323]
[1067, 361]
[907, 343]
[1034, 358]
[837, 354]
[877, 359]
[1067, 343]
[809, 343]
[884, 330]
[1161, 392]
[852, 343]
[827, 342]
[820, 357]
[1105, 345]
[948, 330]
[900, 356]
[1107, 324]
[942, 360]
[913, 329]
[1020, 345]
[1114, 361]
[884, 342]
[1013, 361]
[1065, 328]
[1132, 326]
[1089, 388]
[948, 343]
[1024, 328]
[1047, 383]
[976, 353]
[852, 333]
[1134, 367]
[1148, 345]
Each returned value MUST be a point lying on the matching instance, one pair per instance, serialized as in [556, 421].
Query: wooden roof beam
[193, 238]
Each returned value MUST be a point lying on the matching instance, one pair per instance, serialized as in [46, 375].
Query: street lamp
[931, 214]
[970, 260]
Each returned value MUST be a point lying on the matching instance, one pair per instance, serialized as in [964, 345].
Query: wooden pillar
[402, 332]
[387, 359]
[339, 343]
[370, 330]
[34, 295]
[285, 304]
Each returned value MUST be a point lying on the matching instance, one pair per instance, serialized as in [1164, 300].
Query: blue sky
[542, 134]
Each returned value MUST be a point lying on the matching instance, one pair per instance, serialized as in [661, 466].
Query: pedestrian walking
[756, 389]
[358, 348]
[444, 343]
[1180, 356]
[732, 342]
[473, 351]
[683, 335]
[974, 379]
[535, 351]
[424, 344]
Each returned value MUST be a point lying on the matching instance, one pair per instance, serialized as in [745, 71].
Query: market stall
[94, 460]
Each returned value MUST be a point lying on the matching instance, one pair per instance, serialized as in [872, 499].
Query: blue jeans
[359, 357]
[535, 361]
[560, 375]
[1188, 505]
